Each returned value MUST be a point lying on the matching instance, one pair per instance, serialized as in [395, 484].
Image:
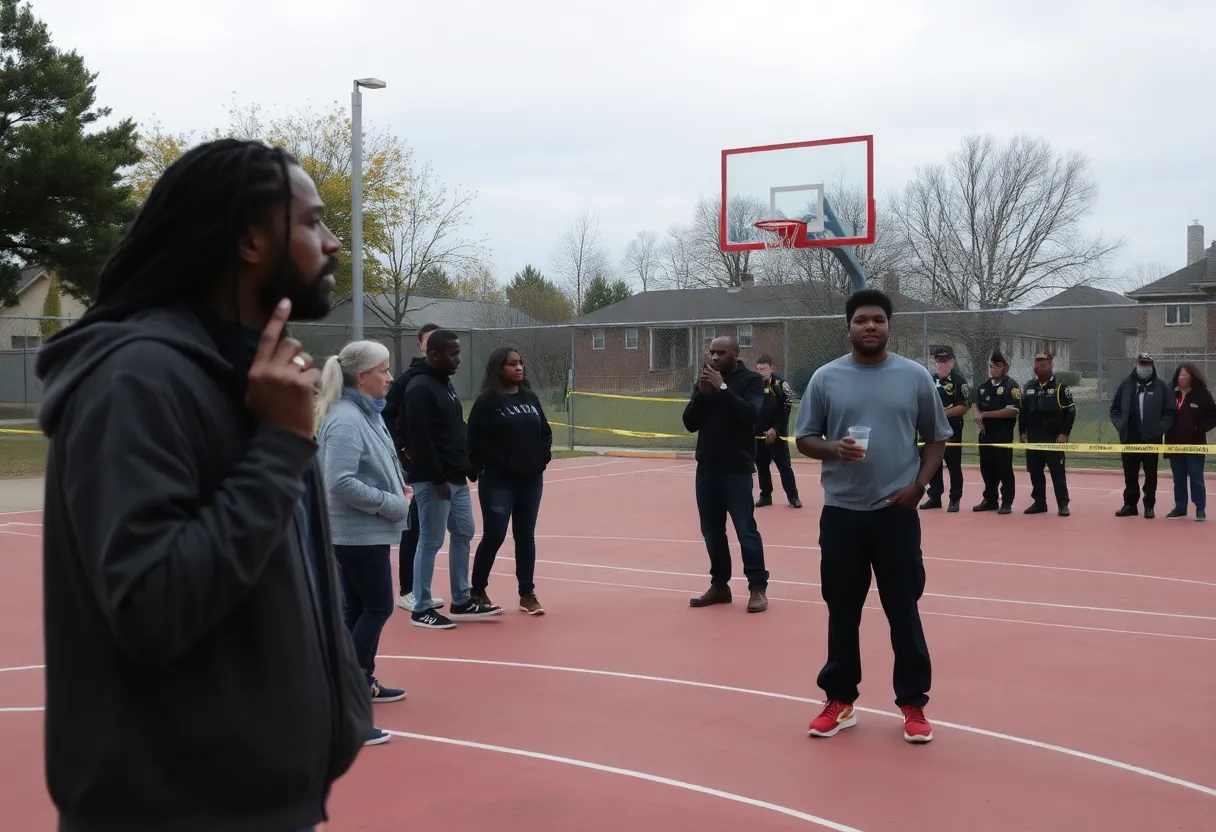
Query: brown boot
[758, 602]
[713, 595]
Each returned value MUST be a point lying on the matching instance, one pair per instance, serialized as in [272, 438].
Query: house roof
[771, 301]
[1187, 282]
[677, 307]
[447, 312]
[28, 275]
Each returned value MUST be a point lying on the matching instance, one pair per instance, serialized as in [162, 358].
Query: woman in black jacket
[510, 445]
[1196, 416]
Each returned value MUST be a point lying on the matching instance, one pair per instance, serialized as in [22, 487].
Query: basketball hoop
[786, 230]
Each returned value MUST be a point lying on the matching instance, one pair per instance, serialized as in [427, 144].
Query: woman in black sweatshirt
[510, 445]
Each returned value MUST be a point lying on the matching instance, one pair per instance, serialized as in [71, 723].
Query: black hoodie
[394, 412]
[510, 434]
[435, 434]
[198, 672]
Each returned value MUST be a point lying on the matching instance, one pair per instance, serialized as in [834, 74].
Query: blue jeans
[436, 516]
[1189, 467]
[720, 495]
[505, 499]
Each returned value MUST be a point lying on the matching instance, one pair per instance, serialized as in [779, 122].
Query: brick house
[652, 341]
[1177, 318]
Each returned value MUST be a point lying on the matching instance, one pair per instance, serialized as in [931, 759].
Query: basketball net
[778, 236]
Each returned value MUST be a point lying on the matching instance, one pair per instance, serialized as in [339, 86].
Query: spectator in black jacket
[772, 436]
[510, 445]
[435, 437]
[722, 412]
[394, 418]
[1143, 412]
[198, 672]
[1196, 417]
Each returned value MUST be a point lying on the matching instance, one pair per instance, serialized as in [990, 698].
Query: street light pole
[356, 199]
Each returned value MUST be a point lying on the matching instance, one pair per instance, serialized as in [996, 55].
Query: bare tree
[1142, 274]
[580, 255]
[997, 224]
[712, 265]
[674, 264]
[642, 259]
[423, 231]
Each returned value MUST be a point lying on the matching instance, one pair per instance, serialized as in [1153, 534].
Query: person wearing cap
[1143, 411]
[997, 403]
[955, 395]
[1047, 415]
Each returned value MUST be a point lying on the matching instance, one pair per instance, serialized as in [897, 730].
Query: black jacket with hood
[198, 672]
[435, 434]
[1160, 409]
[394, 408]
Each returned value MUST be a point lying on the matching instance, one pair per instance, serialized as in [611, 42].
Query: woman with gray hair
[368, 497]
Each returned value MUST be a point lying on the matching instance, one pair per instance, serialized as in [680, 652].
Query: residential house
[1177, 320]
[652, 341]
[20, 324]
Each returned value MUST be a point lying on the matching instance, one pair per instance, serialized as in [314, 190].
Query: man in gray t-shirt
[869, 520]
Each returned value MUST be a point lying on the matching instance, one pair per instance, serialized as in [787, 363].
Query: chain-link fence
[626, 383]
[636, 377]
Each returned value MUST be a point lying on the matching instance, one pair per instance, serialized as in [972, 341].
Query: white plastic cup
[861, 435]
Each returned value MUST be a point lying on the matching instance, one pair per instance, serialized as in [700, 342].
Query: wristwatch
[722, 386]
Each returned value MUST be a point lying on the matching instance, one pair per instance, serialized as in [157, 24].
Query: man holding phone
[870, 521]
[725, 404]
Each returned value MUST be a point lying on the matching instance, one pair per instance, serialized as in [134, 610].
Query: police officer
[997, 402]
[1047, 415]
[955, 394]
[773, 428]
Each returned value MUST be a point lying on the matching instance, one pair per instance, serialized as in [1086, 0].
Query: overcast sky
[548, 108]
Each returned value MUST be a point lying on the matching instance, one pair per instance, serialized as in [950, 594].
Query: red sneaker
[916, 727]
[834, 717]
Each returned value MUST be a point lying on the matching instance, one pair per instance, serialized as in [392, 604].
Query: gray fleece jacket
[363, 476]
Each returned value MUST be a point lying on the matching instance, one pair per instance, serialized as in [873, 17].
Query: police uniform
[775, 413]
[953, 391]
[1047, 413]
[996, 464]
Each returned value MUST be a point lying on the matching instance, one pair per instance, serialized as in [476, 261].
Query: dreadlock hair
[188, 231]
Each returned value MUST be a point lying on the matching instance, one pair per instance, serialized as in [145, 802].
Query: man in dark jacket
[1047, 415]
[394, 419]
[1143, 411]
[772, 436]
[437, 445]
[198, 672]
[722, 412]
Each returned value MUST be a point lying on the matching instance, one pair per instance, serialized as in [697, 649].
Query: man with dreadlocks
[198, 672]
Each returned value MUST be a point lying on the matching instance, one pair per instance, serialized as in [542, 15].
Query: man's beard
[311, 300]
[867, 350]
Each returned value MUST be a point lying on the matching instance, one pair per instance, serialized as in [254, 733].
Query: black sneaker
[432, 620]
[1201, 516]
[383, 694]
[378, 737]
[474, 610]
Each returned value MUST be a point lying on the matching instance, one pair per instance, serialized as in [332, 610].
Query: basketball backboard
[826, 184]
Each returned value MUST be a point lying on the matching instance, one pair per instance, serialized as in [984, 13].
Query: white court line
[1050, 624]
[21, 710]
[19, 534]
[22, 667]
[1185, 616]
[983, 732]
[637, 775]
[768, 545]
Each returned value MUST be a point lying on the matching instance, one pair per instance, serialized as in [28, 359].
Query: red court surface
[1074, 661]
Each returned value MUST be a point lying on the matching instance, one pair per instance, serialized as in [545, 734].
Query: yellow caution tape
[625, 397]
[17, 430]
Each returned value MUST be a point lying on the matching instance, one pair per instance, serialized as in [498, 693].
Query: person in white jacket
[369, 500]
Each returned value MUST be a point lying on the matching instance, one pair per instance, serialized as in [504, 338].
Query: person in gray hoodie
[369, 501]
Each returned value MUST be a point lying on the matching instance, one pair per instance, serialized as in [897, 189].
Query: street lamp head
[371, 83]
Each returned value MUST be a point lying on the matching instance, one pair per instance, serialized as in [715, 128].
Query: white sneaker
[408, 601]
